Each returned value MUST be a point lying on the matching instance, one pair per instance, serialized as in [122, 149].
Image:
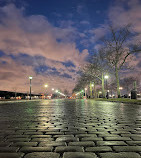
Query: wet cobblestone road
[69, 129]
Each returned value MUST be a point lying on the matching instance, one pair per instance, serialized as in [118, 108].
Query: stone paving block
[41, 139]
[5, 144]
[58, 136]
[11, 155]
[67, 139]
[112, 143]
[53, 143]
[61, 149]
[41, 136]
[134, 143]
[18, 140]
[85, 143]
[32, 133]
[17, 136]
[42, 155]
[86, 135]
[25, 144]
[75, 132]
[117, 138]
[54, 133]
[120, 155]
[136, 138]
[127, 148]
[79, 155]
[9, 149]
[121, 132]
[35, 149]
[91, 139]
[99, 149]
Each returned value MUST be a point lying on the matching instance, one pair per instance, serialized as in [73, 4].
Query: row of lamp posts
[30, 79]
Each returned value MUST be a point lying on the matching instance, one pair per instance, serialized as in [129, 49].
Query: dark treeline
[8, 94]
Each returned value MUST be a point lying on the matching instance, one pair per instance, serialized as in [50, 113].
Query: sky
[51, 39]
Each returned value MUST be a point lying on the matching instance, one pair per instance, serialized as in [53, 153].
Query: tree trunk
[94, 91]
[117, 80]
[103, 90]
[91, 90]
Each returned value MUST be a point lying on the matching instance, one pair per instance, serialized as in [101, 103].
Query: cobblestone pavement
[69, 129]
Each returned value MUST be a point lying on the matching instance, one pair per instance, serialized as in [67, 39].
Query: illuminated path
[69, 129]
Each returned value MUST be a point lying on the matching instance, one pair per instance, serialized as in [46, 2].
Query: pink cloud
[34, 35]
[15, 76]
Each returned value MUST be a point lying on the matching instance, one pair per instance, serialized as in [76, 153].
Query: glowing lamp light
[30, 77]
[106, 76]
[52, 89]
[120, 88]
[56, 91]
[46, 86]
[92, 85]
[85, 89]
[100, 92]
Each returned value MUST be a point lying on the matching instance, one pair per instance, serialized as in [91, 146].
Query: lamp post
[99, 93]
[30, 78]
[120, 88]
[86, 93]
[106, 78]
[46, 88]
[93, 90]
[57, 93]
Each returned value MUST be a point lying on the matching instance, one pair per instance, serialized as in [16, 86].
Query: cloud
[29, 42]
[84, 22]
[126, 12]
[15, 75]
[34, 35]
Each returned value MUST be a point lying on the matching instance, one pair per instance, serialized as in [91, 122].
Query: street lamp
[46, 87]
[99, 93]
[30, 78]
[106, 78]
[86, 93]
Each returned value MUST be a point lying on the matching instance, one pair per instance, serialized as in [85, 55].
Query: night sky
[51, 39]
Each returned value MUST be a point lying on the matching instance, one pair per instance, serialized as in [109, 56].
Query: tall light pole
[30, 78]
[86, 93]
[106, 78]
[57, 93]
[46, 87]
[120, 88]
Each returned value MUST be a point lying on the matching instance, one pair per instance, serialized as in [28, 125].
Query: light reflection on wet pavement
[69, 129]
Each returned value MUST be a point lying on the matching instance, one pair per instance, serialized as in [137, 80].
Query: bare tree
[66, 92]
[127, 83]
[116, 49]
[97, 68]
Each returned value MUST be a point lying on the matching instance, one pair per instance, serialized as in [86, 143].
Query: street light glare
[120, 88]
[46, 85]
[106, 76]
[30, 77]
